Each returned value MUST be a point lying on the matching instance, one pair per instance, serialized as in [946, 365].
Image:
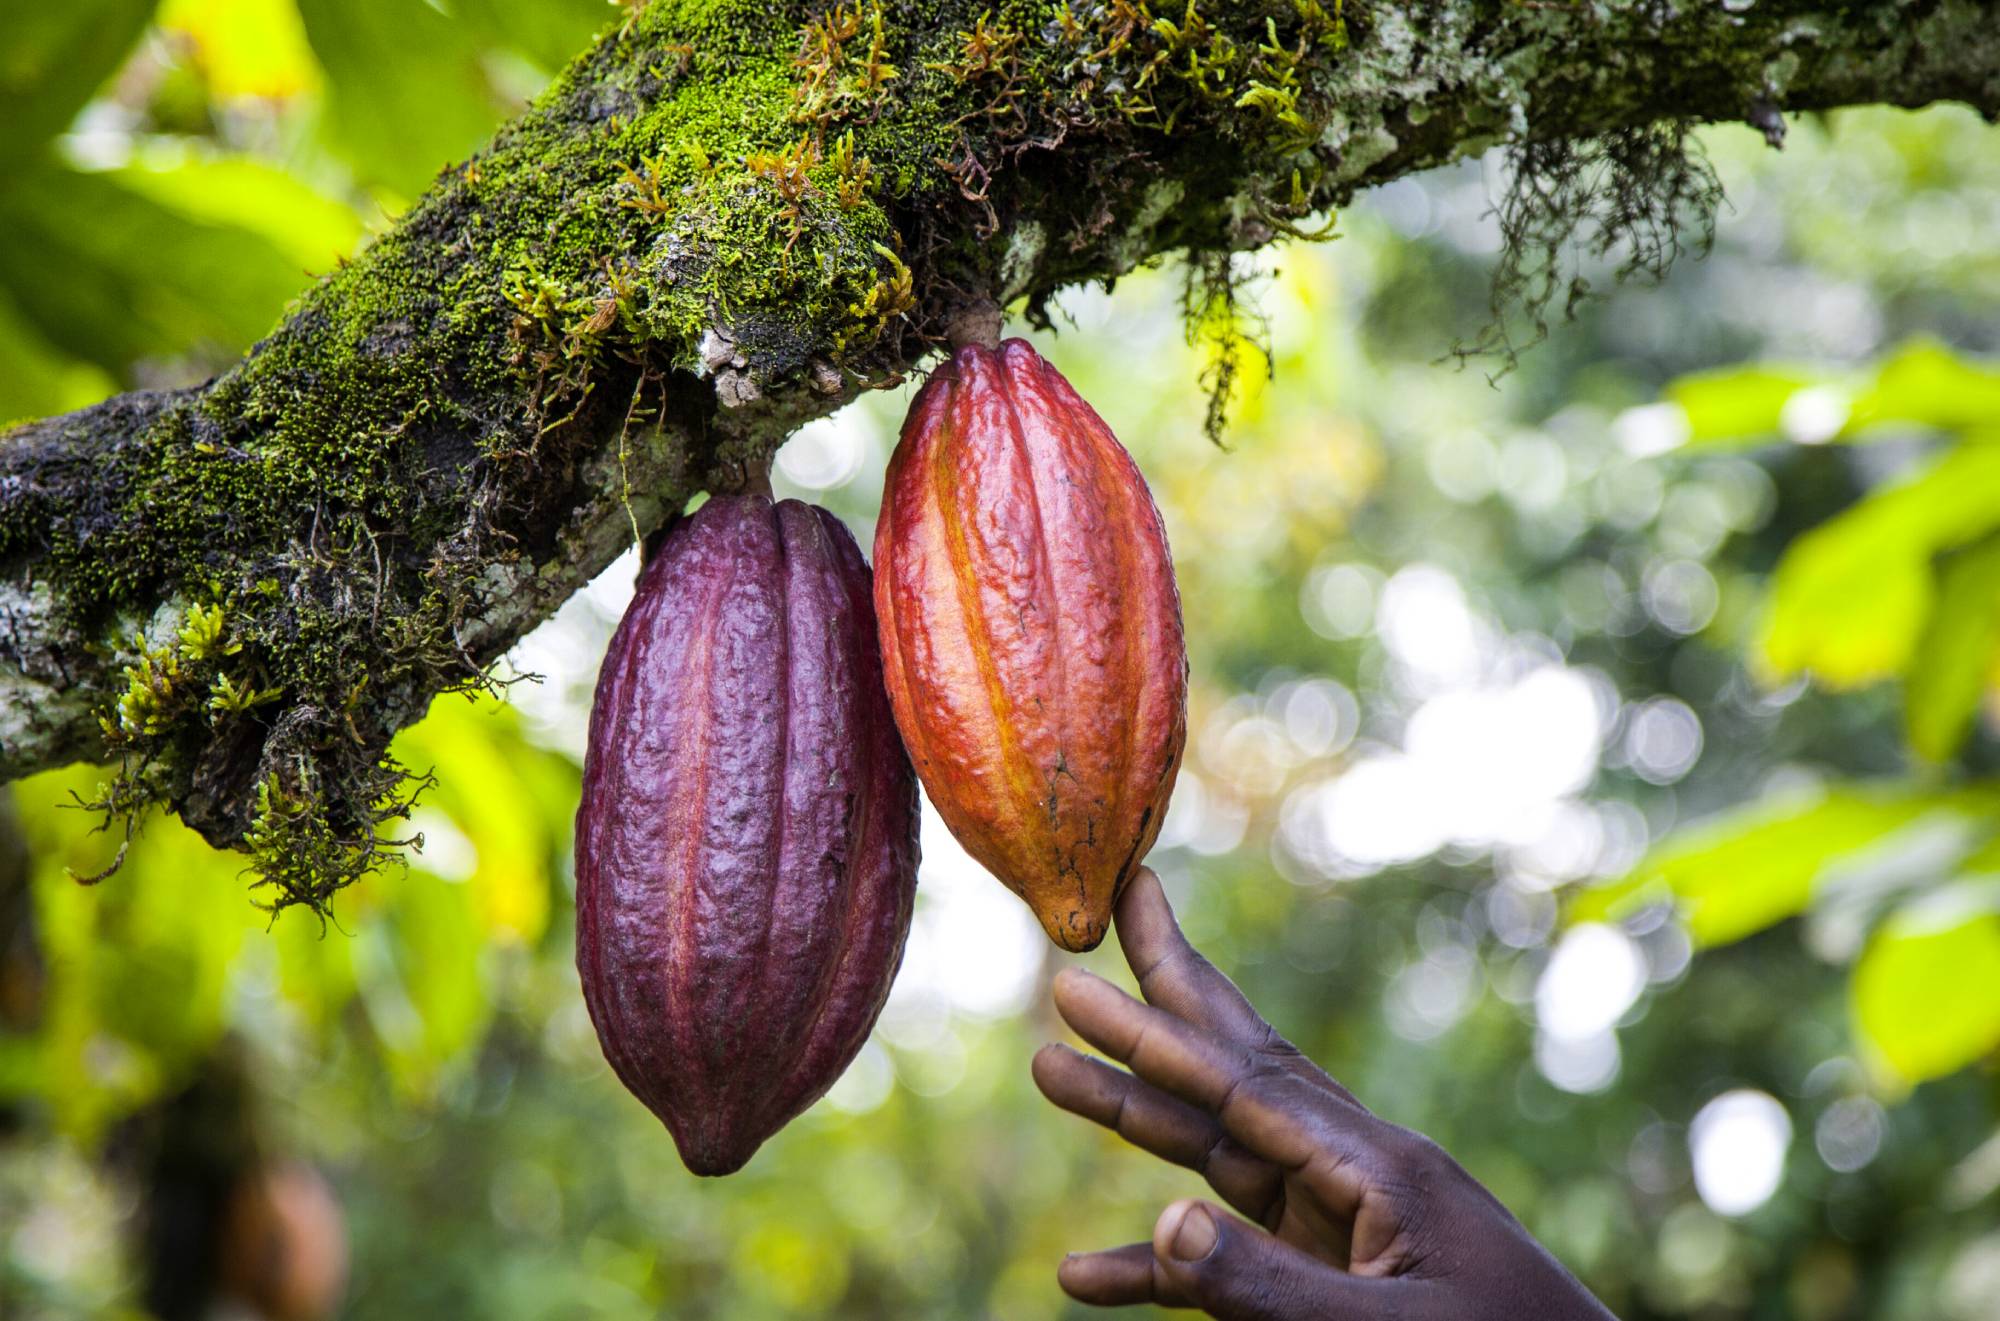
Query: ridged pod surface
[1031, 633]
[746, 851]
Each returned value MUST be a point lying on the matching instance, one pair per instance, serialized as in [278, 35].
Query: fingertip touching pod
[747, 843]
[1031, 633]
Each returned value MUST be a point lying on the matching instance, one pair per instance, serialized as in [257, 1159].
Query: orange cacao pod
[746, 848]
[1031, 633]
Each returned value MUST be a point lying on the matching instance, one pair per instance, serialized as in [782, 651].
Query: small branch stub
[1767, 119]
[749, 479]
[977, 322]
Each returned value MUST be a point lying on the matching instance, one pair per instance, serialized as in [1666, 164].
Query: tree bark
[725, 218]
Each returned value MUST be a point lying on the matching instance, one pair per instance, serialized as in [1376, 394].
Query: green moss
[719, 203]
[712, 167]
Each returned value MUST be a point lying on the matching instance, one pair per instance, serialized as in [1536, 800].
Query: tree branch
[725, 218]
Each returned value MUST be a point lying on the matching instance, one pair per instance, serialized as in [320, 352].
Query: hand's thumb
[1236, 1272]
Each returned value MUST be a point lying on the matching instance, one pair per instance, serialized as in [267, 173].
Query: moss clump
[718, 187]
[723, 217]
[300, 857]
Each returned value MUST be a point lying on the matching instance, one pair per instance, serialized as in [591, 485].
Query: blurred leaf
[140, 964]
[53, 56]
[1926, 992]
[316, 963]
[488, 786]
[1925, 381]
[35, 379]
[421, 981]
[549, 32]
[1948, 672]
[245, 47]
[1847, 607]
[1984, 860]
[1740, 404]
[407, 92]
[1737, 874]
[1850, 598]
[312, 231]
[110, 276]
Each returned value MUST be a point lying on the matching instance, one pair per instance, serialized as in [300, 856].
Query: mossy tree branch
[726, 217]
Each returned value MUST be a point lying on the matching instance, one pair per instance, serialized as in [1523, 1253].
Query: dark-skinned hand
[1344, 1215]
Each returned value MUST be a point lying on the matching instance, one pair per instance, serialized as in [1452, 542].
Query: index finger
[1173, 974]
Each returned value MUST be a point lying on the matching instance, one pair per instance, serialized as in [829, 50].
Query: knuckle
[1248, 1075]
[1141, 1038]
[1206, 1161]
[1234, 1085]
[1158, 968]
[1412, 1153]
[1276, 1047]
[1119, 1102]
[1409, 1169]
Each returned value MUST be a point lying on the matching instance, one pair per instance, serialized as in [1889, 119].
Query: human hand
[1349, 1216]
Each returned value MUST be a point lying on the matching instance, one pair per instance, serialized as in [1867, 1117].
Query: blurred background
[1595, 770]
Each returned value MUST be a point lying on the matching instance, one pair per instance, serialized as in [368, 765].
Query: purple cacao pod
[746, 851]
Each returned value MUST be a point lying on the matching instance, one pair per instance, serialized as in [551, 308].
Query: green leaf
[407, 92]
[36, 379]
[1744, 871]
[1922, 382]
[243, 48]
[139, 968]
[316, 962]
[1948, 673]
[421, 979]
[312, 230]
[1926, 991]
[1736, 405]
[1926, 382]
[1984, 860]
[109, 276]
[1850, 598]
[493, 785]
[53, 57]
[551, 33]
[1845, 607]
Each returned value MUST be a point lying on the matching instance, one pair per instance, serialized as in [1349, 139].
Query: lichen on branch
[726, 217]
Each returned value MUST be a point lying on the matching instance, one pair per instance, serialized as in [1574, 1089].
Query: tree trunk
[726, 218]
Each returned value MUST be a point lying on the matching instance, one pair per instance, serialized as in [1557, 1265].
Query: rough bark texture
[726, 217]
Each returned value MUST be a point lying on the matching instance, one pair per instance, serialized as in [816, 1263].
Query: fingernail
[1195, 1238]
